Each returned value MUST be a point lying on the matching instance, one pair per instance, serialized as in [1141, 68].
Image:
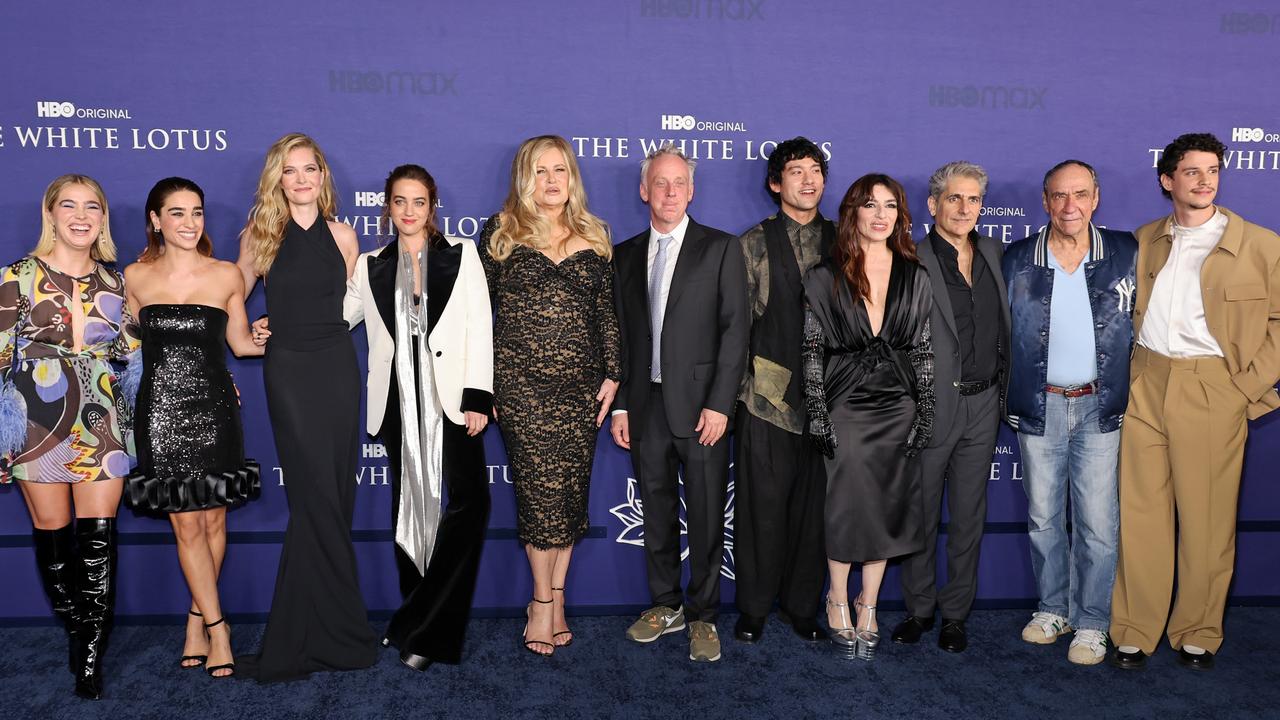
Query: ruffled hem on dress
[193, 492]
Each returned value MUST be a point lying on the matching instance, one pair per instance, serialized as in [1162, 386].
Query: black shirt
[976, 309]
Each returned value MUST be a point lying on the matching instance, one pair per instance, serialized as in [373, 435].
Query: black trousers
[780, 487]
[961, 463]
[657, 457]
[433, 618]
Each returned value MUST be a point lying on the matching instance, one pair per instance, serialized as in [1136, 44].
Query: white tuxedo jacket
[460, 340]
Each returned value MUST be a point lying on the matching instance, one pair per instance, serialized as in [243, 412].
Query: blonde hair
[104, 248]
[264, 230]
[520, 223]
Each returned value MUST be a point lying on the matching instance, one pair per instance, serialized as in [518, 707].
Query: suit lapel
[690, 248]
[444, 262]
[1216, 272]
[987, 246]
[382, 283]
[941, 296]
[635, 274]
[1153, 253]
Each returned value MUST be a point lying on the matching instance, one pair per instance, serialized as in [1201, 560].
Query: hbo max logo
[1253, 135]
[54, 109]
[393, 83]
[703, 9]
[988, 97]
[678, 122]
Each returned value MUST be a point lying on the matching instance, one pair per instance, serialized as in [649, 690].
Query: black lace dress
[190, 443]
[874, 393]
[555, 340]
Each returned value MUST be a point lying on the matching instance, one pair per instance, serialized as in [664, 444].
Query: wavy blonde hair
[104, 248]
[264, 230]
[520, 223]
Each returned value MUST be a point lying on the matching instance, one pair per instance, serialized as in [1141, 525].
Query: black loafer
[806, 627]
[1203, 661]
[748, 629]
[416, 662]
[953, 637]
[909, 631]
[1128, 660]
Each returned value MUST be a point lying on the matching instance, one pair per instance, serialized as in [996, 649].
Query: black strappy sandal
[228, 666]
[568, 642]
[200, 659]
[529, 644]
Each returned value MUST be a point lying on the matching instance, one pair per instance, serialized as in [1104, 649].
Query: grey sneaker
[704, 642]
[1045, 628]
[656, 622]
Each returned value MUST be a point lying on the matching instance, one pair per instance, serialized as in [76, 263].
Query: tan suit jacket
[1240, 285]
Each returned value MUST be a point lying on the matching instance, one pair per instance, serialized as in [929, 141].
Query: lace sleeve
[492, 268]
[813, 365]
[607, 319]
[921, 357]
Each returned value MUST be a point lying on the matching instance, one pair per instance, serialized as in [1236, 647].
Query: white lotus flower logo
[631, 513]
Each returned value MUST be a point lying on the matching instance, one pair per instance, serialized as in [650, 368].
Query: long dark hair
[847, 253]
[419, 174]
[155, 203]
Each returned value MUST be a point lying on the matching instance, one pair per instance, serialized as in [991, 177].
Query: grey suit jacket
[946, 343]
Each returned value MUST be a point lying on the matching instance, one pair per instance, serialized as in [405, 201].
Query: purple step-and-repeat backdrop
[130, 94]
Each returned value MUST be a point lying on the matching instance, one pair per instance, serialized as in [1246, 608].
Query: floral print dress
[77, 417]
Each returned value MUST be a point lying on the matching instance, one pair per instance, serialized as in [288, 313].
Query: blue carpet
[603, 675]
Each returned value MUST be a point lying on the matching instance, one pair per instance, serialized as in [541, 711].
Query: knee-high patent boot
[95, 603]
[56, 558]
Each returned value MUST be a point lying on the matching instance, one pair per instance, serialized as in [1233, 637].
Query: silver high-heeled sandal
[844, 639]
[866, 640]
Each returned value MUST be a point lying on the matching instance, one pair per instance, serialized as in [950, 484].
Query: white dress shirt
[1175, 325]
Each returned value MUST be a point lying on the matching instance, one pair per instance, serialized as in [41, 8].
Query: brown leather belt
[1072, 392]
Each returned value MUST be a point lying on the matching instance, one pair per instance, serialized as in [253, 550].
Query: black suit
[703, 355]
[959, 454]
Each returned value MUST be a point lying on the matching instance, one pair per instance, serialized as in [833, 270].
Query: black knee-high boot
[56, 558]
[95, 603]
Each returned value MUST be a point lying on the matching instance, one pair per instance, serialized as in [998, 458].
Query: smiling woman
[191, 461]
[318, 619]
[557, 362]
[62, 319]
[425, 307]
[868, 366]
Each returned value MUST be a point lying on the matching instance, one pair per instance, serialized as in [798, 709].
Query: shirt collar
[1213, 226]
[677, 233]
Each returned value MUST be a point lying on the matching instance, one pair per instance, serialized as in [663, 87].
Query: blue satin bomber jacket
[1110, 278]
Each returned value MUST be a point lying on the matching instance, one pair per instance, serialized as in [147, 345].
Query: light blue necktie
[656, 308]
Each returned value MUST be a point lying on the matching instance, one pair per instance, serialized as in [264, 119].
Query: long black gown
[871, 385]
[318, 619]
[190, 443]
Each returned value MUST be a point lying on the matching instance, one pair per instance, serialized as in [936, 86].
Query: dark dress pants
[960, 463]
[657, 457]
[780, 487]
[433, 618]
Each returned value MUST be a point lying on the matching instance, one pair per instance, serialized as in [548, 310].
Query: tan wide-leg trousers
[1181, 450]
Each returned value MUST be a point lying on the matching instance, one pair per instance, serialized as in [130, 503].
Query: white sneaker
[1045, 628]
[1088, 647]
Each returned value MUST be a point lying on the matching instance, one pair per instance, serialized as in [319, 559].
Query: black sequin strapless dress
[189, 438]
